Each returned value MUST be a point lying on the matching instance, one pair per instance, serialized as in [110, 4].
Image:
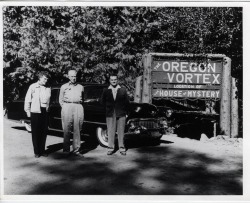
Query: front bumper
[145, 126]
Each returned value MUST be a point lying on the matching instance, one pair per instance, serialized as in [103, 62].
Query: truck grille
[149, 124]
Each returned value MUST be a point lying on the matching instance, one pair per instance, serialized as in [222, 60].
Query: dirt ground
[175, 166]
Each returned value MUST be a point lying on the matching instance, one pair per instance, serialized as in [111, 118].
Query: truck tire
[102, 136]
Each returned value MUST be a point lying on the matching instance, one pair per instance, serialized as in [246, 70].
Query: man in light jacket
[36, 106]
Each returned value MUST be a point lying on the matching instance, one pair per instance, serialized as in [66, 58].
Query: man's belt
[72, 102]
[43, 105]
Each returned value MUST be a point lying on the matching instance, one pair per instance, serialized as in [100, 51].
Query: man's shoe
[37, 155]
[123, 151]
[110, 151]
[44, 154]
[77, 153]
[66, 153]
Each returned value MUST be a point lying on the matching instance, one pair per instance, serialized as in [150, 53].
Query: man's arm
[49, 95]
[61, 95]
[82, 99]
[27, 101]
[126, 100]
[103, 97]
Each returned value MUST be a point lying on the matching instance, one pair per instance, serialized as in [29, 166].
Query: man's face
[43, 80]
[113, 80]
[72, 76]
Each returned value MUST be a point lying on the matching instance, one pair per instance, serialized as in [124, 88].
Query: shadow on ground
[19, 128]
[150, 168]
[85, 147]
[146, 170]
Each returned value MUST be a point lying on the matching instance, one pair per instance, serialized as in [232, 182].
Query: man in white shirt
[70, 99]
[36, 106]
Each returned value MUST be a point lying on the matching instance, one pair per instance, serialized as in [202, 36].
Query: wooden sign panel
[187, 67]
[186, 79]
[215, 94]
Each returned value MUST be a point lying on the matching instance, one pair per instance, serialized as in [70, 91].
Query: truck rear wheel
[102, 136]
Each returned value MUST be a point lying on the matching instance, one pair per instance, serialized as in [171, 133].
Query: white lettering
[189, 94]
[216, 81]
[188, 78]
[193, 67]
[212, 94]
[217, 94]
[161, 93]
[212, 68]
[179, 75]
[164, 66]
[198, 77]
[184, 67]
[157, 66]
[202, 67]
[171, 78]
[207, 94]
[206, 78]
[175, 66]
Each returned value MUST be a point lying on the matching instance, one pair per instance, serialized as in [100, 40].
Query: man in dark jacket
[116, 101]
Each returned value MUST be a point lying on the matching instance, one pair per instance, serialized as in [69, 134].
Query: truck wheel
[102, 136]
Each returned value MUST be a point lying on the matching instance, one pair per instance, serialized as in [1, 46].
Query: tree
[95, 39]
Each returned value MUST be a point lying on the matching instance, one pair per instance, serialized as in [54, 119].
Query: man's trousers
[72, 117]
[39, 127]
[115, 124]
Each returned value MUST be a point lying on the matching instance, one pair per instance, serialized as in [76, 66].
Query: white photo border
[144, 198]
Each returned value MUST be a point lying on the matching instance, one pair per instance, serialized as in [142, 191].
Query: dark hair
[113, 73]
[43, 73]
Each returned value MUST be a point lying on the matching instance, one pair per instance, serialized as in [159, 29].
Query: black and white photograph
[122, 100]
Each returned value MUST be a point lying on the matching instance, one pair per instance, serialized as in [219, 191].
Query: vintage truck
[144, 120]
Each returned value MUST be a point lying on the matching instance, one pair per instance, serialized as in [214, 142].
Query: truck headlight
[169, 112]
[153, 113]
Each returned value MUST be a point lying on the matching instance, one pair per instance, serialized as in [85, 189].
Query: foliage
[96, 39]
